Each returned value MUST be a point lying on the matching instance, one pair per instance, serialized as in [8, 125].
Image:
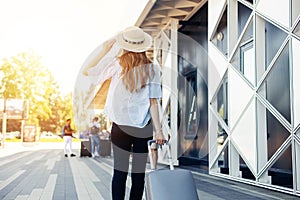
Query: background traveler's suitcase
[105, 147]
[85, 148]
[170, 184]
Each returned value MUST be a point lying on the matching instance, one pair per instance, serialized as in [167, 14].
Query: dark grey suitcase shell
[170, 184]
[105, 147]
[173, 184]
[85, 148]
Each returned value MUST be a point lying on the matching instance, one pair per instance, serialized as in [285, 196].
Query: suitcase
[169, 184]
[105, 147]
[85, 148]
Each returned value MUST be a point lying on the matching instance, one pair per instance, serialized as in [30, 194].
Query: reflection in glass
[221, 36]
[250, 1]
[223, 161]
[246, 173]
[274, 39]
[193, 110]
[274, 131]
[276, 134]
[189, 113]
[243, 15]
[221, 136]
[276, 87]
[281, 171]
[297, 29]
[222, 105]
[248, 35]
[243, 59]
[192, 121]
[247, 62]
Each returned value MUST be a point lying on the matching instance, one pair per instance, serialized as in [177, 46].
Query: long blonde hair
[137, 69]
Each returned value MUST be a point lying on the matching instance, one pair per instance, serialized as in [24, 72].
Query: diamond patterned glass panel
[281, 172]
[246, 172]
[237, 102]
[223, 161]
[222, 105]
[274, 39]
[278, 11]
[221, 36]
[297, 29]
[296, 80]
[248, 35]
[276, 87]
[222, 136]
[276, 133]
[243, 59]
[245, 133]
[297, 151]
[243, 16]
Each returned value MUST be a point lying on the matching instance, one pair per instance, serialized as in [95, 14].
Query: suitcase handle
[170, 160]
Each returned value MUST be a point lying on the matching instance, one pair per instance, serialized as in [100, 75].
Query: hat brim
[135, 47]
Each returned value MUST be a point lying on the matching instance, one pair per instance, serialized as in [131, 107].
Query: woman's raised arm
[106, 48]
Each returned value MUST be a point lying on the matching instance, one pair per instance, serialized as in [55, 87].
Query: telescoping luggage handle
[168, 153]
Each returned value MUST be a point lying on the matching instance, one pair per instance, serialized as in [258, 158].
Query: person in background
[95, 130]
[132, 106]
[67, 133]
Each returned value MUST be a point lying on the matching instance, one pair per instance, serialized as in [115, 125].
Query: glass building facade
[235, 110]
[254, 93]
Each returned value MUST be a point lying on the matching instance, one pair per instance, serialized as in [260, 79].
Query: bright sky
[63, 32]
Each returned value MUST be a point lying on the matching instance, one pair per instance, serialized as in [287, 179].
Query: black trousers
[128, 141]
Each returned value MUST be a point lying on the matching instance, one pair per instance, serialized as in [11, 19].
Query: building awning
[157, 14]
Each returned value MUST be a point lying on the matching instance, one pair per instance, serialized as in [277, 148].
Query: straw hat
[134, 39]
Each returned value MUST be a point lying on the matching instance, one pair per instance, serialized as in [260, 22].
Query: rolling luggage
[105, 147]
[85, 148]
[170, 184]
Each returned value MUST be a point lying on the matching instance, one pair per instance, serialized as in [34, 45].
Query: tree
[23, 76]
[103, 120]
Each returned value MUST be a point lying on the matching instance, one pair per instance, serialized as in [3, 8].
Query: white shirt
[97, 124]
[124, 107]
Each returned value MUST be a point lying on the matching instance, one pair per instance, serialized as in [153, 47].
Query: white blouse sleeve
[155, 85]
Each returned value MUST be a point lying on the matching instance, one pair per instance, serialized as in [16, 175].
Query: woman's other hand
[160, 138]
[106, 48]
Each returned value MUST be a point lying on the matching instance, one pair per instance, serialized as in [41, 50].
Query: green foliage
[23, 76]
[103, 121]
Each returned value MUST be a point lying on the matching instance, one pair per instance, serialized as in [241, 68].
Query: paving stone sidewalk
[46, 174]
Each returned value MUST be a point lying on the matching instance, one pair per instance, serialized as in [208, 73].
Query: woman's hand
[160, 138]
[106, 48]
[108, 45]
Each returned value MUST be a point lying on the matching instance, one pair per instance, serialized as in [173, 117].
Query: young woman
[131, 105]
